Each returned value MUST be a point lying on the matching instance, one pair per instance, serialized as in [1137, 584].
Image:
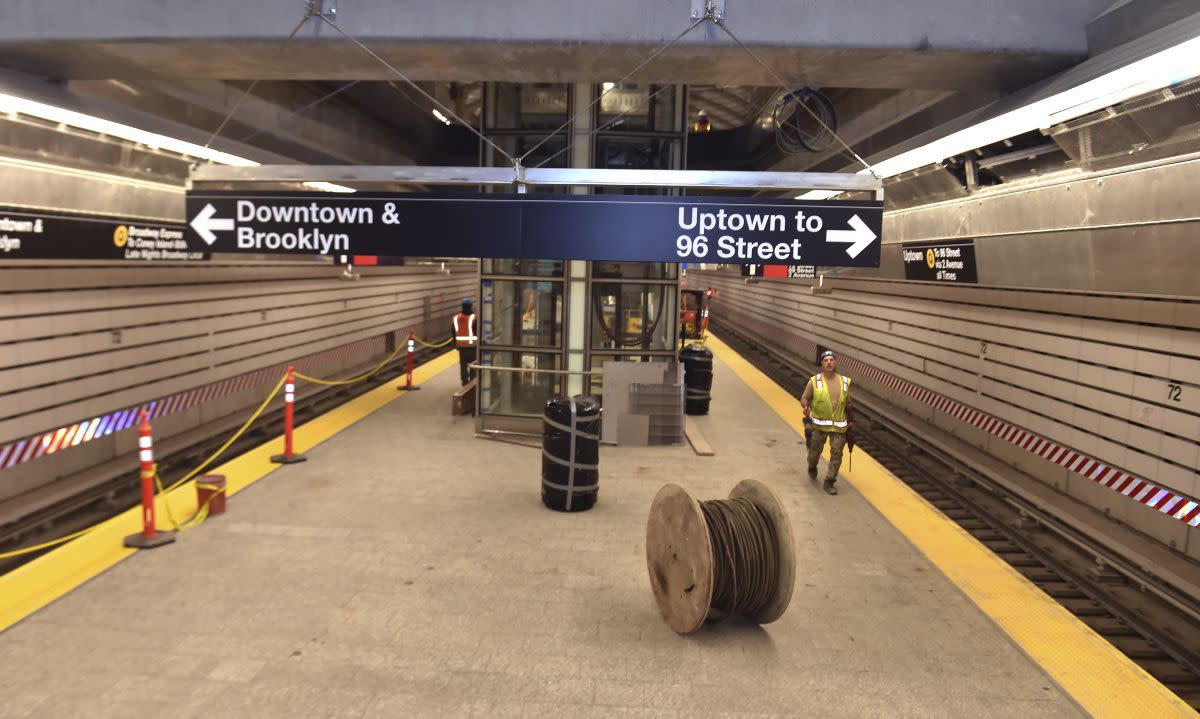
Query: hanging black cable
[805, 120]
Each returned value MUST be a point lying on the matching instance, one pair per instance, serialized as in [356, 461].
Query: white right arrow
[204, 223]
[860, 236]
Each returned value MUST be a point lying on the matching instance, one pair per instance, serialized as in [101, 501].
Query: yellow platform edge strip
[1102, 680]
[32, 586]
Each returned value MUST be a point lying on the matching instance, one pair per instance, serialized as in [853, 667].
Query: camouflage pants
[837, 442]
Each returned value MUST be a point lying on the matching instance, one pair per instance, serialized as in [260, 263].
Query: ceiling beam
[329, 131]
[366, 175]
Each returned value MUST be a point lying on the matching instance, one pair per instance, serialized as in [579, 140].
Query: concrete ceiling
[891, 68]
[337, 59]
[943, 44]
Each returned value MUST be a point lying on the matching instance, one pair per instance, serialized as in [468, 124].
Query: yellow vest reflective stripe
[824, 414]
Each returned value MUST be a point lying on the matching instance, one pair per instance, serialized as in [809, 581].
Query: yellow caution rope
[436, 346]
[201, 513]
[241, 430]
[352, 380]
[378, 367]
[43, 545]
[161, 490]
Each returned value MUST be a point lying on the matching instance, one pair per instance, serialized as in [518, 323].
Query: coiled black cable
[745, 555]
[805, 119]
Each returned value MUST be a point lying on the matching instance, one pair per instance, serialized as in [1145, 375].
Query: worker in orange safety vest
[466, 340]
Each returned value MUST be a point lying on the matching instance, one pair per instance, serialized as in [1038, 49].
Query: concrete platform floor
[409, 569]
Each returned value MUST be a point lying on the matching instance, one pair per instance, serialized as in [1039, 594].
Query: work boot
[829, 488]
[812, 472]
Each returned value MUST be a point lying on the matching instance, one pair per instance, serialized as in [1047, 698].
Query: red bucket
[211, 485]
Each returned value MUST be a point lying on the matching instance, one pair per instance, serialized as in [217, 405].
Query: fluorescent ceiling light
[6, 161]
[818, 194]
[608, 86]
[438, 114]
[126, 88]
[1162, 69]
[12, 104]
[329, 187]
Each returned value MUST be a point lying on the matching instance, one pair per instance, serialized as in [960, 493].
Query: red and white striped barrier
[1174, 504]
[1167, 501]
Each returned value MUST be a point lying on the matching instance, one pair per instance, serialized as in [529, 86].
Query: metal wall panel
[1128, 230]
[64, 189]
[1154, 195]
[79, 340]
[1115, 377]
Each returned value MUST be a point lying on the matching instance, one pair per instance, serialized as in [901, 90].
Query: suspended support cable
[608, 124]
[617, 84]
[784, 85]
[309, 106]
[391, 68]
[308, 13]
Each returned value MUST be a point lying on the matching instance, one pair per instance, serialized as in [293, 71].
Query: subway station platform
[410, 569]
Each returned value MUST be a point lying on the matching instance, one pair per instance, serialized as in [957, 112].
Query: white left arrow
[859, 237]
[204, 223]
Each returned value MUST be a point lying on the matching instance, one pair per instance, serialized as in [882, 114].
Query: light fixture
[131, 90]
[608, 86]
[818, 194]
[11, 104]
[438, 114]
[329, 187]
[141, 184]
[1154, 72]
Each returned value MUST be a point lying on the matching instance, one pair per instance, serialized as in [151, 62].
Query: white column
[576, 336]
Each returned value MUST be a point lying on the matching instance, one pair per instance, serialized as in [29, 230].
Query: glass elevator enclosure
[548, 327]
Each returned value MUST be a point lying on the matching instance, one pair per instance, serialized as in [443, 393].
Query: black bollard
[697, 378]
[571, 453]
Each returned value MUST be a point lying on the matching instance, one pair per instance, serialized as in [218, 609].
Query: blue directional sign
[634, 228]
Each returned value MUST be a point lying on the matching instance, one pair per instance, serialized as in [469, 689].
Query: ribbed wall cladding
[1113, 377]
[79, 341]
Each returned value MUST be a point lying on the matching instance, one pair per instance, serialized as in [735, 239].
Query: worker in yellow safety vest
[466, 340]
[826, 403]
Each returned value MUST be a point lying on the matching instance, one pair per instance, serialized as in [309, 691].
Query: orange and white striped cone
[150, 536]
[289, 402]
[412, 349]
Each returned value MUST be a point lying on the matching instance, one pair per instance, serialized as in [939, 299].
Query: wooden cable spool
[679, 557]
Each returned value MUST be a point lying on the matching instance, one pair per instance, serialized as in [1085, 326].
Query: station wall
[79, 340]
[1115, 377]
[1128, 229]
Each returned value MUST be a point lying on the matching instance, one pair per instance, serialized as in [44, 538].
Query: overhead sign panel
[946, 262]
[44, 235]
[586, 227]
